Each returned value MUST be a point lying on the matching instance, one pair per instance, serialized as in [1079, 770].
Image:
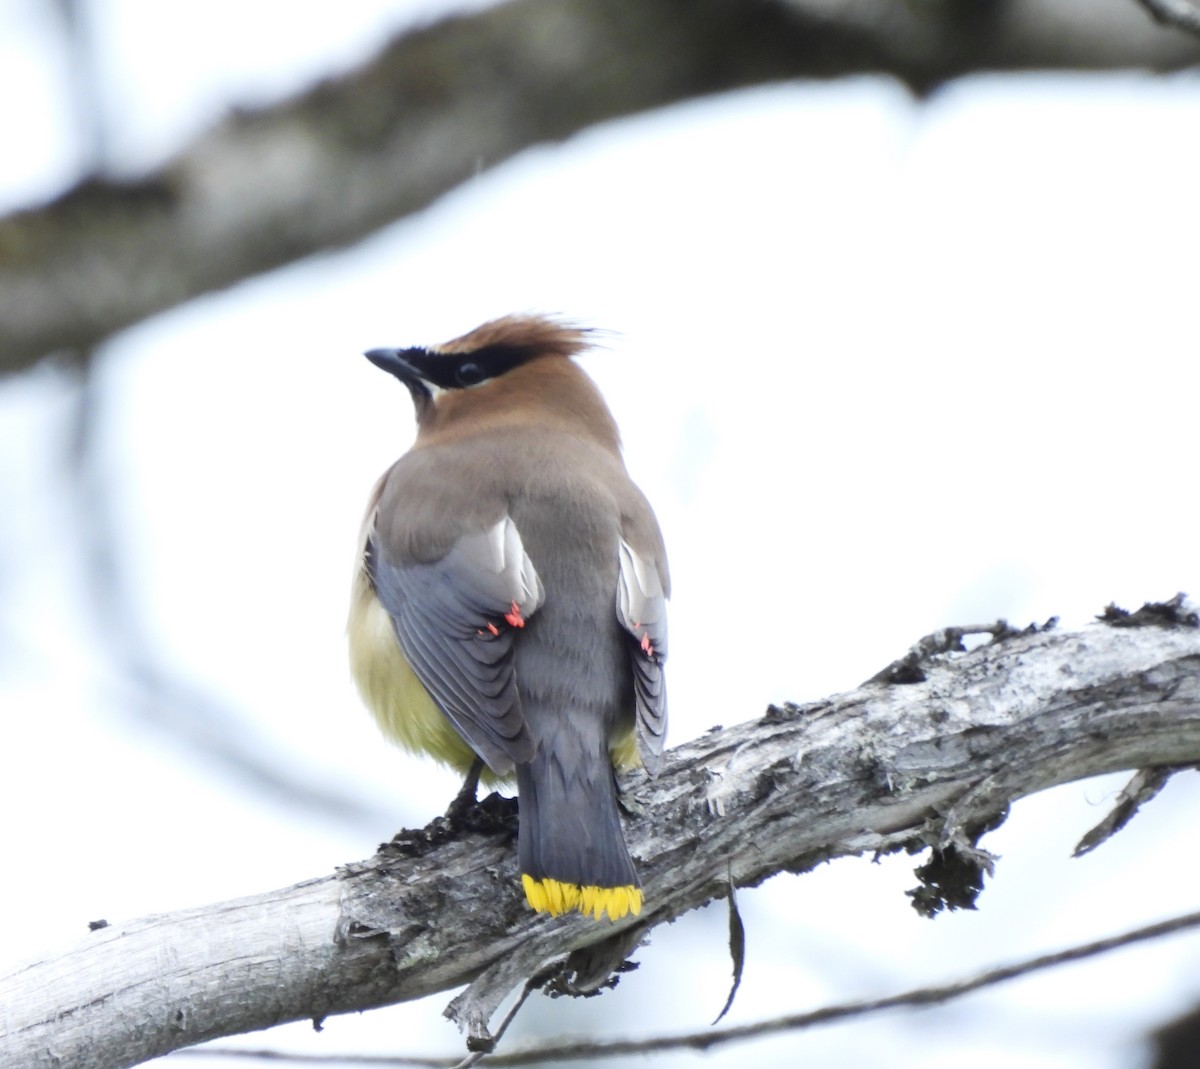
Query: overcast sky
[881, 367]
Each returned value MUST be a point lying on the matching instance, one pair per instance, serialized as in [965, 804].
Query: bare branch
[879, 768]
[714, 1037]
[439, 105]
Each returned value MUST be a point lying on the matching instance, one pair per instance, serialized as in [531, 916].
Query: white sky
[881, 368]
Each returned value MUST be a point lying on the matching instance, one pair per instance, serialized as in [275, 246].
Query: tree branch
[581, 1050]
[880, 768]
[358, 151]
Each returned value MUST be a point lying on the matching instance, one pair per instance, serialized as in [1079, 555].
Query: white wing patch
[642, 610]
[500, 552]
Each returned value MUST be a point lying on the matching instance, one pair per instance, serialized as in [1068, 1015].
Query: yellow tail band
[553, 897]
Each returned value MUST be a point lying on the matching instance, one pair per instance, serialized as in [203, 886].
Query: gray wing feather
[450, 620]
[642, 610]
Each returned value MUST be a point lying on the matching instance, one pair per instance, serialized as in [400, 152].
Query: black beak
[394, 362]
[404, 364]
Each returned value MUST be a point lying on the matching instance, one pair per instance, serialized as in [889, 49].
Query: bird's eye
[469, 374]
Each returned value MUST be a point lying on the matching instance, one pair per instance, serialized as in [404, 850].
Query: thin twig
[531, 985]
[145, 684]
[571, 1051]
[910, 667]
[1143, 786]
[1182, 14]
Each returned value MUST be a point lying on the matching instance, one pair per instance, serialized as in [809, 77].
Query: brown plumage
[510, 600]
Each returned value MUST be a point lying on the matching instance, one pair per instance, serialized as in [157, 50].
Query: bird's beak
[395, 362]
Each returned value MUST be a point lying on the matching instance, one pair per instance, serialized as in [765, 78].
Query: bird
[508, 608]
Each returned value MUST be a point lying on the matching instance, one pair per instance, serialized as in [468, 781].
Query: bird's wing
[642, 610]
[456, 620]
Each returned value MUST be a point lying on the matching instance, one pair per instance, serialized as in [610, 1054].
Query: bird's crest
[542, 334]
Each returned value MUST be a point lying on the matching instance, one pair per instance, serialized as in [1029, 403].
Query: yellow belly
[401, 705]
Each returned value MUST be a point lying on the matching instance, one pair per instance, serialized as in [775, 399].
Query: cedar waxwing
[510, 598]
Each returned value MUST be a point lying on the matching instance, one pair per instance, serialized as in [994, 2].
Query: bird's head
[513, 369]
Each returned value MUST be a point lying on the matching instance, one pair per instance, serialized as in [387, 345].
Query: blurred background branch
[440, 104]
[1182, 14]
[144, 687]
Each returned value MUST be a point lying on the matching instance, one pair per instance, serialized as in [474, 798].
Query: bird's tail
[571, 850]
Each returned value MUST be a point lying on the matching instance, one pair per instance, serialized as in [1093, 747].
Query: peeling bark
[885, 767]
